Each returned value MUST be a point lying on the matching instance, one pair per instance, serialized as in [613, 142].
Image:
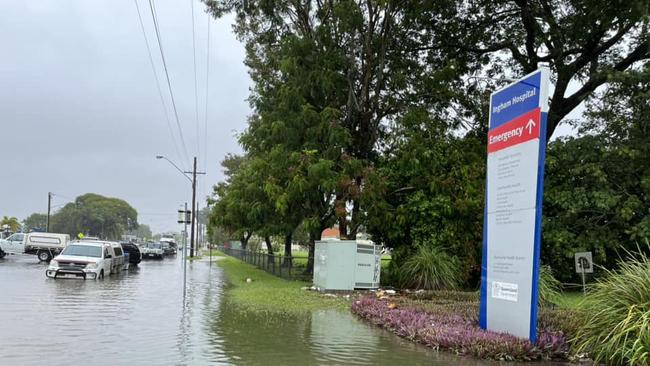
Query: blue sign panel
[515, 100]
[513, 206]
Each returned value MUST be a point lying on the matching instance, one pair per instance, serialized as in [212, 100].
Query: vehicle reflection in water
[139, 318]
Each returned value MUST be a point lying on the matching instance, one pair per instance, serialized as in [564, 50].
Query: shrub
[550, 289]
[616, 328]
[430, 268]
[452, 332]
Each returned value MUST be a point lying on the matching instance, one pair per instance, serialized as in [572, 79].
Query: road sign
[184, 217]
[584, 262]
[513, 206]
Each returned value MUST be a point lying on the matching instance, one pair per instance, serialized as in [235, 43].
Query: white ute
[83, 259]
[44, 245]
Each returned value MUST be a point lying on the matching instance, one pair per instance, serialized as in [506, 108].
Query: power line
[152, 7]
[196, 92]
[155, 74]
[207, 90]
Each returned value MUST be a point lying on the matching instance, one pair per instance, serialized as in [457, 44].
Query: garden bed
[448, 321]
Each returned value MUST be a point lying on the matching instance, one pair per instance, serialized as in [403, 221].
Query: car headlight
[91, 265]
[54, 263]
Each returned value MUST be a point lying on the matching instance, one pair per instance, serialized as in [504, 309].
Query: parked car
[43, 245]
[118, 257]
[82, 259]
[153, 250]
[167, 248]
[135, 256]
[169, 241]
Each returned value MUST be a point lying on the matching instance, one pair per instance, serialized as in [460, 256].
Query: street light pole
[193, 181]
[49, 206]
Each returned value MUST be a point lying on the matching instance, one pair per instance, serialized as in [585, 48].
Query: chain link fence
[284, 266]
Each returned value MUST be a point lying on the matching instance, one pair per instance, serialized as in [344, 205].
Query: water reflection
[141, 318]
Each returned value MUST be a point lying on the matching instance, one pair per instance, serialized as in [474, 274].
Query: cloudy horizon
[81, 112]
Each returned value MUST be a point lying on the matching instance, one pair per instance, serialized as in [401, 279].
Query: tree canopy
[373, 115]
[11, 222]
[35, 222]
[95, 215]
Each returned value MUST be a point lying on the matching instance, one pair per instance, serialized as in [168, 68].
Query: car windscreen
[83, 251]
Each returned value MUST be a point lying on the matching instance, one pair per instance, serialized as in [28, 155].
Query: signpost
[584, 264]
[184, 217]
[513, 206]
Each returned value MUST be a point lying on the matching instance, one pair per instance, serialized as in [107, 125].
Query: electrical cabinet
[346, 265]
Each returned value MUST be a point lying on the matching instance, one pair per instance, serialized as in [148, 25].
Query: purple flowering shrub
[452, 332]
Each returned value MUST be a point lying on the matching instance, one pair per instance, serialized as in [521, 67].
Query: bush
[550, 289]
[430, 268]
[616, 328]
[450, 331]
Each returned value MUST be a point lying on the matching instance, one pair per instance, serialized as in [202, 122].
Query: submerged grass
[266, 292]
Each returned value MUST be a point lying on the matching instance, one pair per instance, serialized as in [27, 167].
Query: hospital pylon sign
[513, 206]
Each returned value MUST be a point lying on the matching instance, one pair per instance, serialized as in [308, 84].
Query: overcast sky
[80, 111]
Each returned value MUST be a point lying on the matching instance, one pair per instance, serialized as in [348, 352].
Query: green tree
[428, 191]
[11, 222]
[597, 194]
[584, 42]
[142, 231]
[329, 77]
[95, 215]
[35, 221]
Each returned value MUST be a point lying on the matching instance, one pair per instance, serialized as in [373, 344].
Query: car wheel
[101, 275]
[2, 254]
[44, 255]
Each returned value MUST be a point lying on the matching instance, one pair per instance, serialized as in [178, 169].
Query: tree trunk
[269, 245]
[288, 239]
[313, 237]
[243, 241]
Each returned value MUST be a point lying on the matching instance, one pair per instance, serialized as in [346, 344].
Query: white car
[82, 259]
[154, 250]
[44, 245]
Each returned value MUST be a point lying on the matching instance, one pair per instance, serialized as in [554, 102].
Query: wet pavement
[140, 318]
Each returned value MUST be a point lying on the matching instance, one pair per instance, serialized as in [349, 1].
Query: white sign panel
[513, 208]
[584, 262]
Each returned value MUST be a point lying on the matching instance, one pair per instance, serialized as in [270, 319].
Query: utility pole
[185, 251]
[193, 209]
[49, 207]
[194, 205]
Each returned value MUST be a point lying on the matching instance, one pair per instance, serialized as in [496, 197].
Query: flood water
[140, 318]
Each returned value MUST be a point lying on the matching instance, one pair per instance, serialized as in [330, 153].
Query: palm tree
[11, 222]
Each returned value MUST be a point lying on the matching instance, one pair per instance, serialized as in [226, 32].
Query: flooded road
[140, 318]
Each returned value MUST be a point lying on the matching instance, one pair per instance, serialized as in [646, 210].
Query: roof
[332, 232]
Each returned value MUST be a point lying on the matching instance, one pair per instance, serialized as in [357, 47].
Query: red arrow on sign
[519, 130]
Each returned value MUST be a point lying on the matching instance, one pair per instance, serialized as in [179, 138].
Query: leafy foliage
[550, 289]
[11, 222]
[35, 221]
[430, 268]
[450, 331]
[616, 328]
[597, 195]
[95, 215]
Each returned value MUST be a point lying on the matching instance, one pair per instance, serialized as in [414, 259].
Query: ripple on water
[139, 318]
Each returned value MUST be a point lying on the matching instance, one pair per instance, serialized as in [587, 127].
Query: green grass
[269, 293]
[570, 300]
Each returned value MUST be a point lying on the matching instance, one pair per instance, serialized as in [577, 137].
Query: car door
[17, 243]
[108, 260]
